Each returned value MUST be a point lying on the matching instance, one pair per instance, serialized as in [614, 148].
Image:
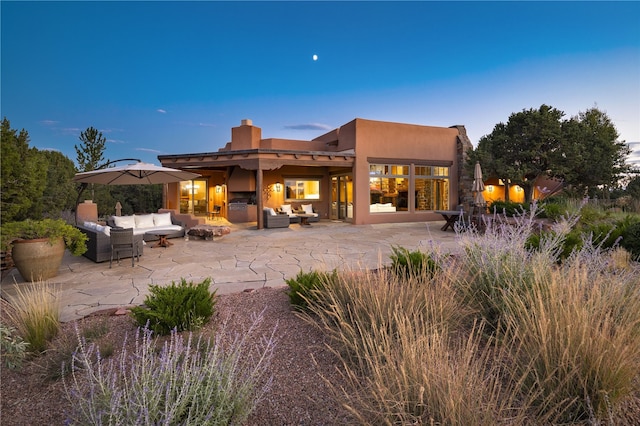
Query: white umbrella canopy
[134, 174]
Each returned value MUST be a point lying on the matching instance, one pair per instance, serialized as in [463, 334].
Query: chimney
[247, 136]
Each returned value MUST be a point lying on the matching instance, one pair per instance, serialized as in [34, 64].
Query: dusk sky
[174, 77]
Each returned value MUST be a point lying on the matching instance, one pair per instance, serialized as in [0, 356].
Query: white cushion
[271, 211]
[286, 208]
[90, 225]
[124, 221]
[107, 231]
[143, 220]
[308, 208]
[162, 219]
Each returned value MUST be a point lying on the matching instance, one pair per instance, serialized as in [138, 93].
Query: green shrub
[570, 242]
[183, 306]
[508, 208]
[405, 263]
[13, 348]
[552, 210]
[302, 286]
[631, 240]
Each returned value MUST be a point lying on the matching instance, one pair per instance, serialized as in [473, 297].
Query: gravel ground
[298, 395]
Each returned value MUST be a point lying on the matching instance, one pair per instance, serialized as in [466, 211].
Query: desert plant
[13, 348]
[415, 263]
[183, 306]
[186, 381]
[499, 263]
[54, 229]
[631, 240]
[300, 287]
[35, 312]
[578, 336]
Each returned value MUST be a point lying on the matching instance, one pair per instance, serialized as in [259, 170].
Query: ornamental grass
[501, 333]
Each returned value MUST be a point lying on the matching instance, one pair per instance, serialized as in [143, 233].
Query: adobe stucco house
[363, 172]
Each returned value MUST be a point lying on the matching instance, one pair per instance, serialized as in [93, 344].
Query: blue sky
[174, 77]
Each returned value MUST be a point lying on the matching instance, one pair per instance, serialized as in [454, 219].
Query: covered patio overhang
[259, 160]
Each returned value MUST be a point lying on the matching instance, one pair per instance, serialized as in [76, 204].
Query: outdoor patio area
[247, 258]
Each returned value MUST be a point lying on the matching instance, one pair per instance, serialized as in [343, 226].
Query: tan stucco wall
[397, 141]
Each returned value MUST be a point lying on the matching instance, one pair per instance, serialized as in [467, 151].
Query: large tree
[582, 151]
[90, 153]
[593, 156]
[523, 149]
[90, 156]
[23, 180]
[60, 191]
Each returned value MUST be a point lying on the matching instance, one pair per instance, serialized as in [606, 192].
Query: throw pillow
[124, 221]
[308, 208]
[162, 219]
[144, 220]
[286, 208]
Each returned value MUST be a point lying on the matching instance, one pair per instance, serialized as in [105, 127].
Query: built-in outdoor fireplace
[242, 207]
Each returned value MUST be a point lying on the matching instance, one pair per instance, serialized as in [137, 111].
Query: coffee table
[304, 218]
[162, 241]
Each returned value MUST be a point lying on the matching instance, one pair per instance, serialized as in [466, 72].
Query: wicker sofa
[99, 241]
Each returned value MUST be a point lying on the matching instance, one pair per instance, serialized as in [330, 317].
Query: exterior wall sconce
[489, 188]
[218, 189]
[278, 187]
[518, 188]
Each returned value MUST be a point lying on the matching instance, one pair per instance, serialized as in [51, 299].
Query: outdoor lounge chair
[123, 240]
[274, 220]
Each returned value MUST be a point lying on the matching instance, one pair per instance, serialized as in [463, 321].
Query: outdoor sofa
[99, 240]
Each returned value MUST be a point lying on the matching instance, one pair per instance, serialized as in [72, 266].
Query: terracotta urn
[38, 259]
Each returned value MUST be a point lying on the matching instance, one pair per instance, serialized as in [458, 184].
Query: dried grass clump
[501, 333]
[35, 313]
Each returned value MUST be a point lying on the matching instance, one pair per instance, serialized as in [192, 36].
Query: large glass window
[388, 187]
[302, 189]
[193, 197]
[432, 188]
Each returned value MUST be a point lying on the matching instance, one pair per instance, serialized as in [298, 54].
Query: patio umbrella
[134, 174]
[478, 185]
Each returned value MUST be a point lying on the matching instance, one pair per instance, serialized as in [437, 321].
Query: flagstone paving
[245, 259]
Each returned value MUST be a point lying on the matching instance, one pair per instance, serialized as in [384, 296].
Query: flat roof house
[363, 172]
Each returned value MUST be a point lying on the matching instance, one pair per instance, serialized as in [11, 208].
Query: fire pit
[207, 232]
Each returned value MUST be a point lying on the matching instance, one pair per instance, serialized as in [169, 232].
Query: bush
[631, 240]
[405, 263]
[509, 208]
[35, 313]
[183, 382]
[183, 306]
[302, 286]
[13, 348]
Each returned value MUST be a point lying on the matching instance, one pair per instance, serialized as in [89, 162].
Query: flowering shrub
[13, 348]
[182, 382]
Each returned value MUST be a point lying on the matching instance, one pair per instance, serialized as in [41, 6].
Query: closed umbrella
[478, 186]
[134, 174]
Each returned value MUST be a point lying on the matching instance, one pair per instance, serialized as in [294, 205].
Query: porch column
[259, 198]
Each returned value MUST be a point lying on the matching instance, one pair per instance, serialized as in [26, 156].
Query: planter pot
[38, 259]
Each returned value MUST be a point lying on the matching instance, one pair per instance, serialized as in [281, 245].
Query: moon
[315, 57]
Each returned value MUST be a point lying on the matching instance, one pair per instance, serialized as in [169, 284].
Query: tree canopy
[90, 153]
[22, 181]
[582, 151]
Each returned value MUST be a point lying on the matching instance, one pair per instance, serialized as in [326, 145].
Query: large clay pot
[38, 259]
